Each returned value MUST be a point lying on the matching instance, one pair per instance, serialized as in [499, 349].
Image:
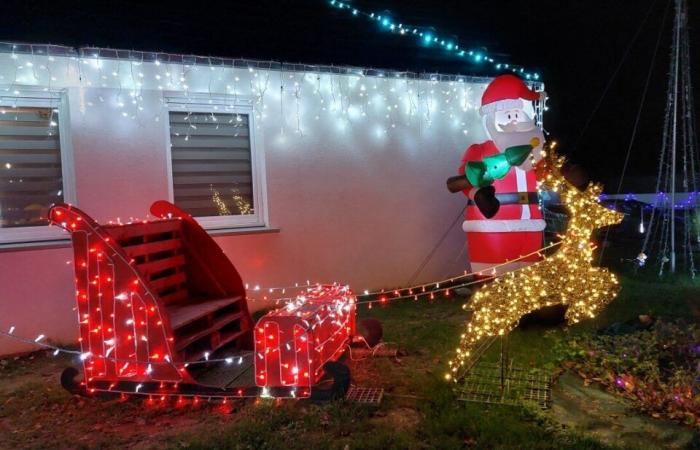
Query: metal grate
[366, 396]
[506, 385]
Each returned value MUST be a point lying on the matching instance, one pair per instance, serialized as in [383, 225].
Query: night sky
[575, 45]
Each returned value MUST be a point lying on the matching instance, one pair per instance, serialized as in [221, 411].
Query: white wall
[358, 198]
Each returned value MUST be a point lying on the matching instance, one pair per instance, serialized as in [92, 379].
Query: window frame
[44, 98]
[224, 104]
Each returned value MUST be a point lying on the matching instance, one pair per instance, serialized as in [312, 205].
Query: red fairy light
[312, 331]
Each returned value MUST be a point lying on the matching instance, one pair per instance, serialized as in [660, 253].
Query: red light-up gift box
[294, 342]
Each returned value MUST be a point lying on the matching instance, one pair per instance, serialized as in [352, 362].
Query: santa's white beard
[505, 139]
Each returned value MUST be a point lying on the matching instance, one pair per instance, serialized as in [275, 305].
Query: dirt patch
[398, 418]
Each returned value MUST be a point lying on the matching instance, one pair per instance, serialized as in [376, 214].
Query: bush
[658, 368]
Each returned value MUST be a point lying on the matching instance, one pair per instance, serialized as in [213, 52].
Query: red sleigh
[159, 303]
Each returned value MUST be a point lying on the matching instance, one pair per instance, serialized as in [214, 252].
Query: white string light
[350, 99]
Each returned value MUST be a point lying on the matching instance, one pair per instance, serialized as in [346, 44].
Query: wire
[373, 349]
[612, 79]
[636, 121]
[430, 255]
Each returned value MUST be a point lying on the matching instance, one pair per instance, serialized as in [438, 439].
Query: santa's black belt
[514, 198]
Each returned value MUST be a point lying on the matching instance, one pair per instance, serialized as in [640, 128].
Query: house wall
[357, 198]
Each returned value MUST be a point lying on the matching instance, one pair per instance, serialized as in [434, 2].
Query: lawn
[419, 409]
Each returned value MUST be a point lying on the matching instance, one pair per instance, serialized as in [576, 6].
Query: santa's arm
[481, 172]
[461, 182]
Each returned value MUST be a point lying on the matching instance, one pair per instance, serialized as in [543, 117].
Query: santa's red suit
[517, 228]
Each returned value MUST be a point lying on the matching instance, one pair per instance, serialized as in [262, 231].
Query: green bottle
[485, 172]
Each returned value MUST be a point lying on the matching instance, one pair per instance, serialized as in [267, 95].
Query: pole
[676, 61]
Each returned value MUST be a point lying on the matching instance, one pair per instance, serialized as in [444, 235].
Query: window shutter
[30, 165]
[211, 163]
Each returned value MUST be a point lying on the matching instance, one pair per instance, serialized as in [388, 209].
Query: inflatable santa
[503, 221]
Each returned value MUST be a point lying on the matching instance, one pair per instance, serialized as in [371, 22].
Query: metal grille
[366, 396]
[506, 385]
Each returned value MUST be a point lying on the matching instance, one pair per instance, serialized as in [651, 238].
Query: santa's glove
[486, 201]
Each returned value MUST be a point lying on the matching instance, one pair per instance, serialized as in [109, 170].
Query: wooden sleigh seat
[167, 276]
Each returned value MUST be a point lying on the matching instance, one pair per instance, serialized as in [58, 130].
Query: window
[32, 166]
[215, 171]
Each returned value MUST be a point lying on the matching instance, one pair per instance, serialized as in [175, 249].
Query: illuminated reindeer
[566, 277]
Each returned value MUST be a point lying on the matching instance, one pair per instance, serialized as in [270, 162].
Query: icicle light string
[426, 37]
[194, 77]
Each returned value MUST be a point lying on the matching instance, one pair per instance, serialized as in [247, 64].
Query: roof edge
[238, 63]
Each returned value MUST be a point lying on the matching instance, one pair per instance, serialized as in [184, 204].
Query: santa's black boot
[486, 201]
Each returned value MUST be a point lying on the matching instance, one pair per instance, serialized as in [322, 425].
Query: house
[317, 173]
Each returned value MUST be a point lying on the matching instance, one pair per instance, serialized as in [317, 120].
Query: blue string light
[432, 39]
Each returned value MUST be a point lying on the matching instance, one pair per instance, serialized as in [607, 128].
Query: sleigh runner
[159, 303]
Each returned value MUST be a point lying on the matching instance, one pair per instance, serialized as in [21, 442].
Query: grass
[418, 411]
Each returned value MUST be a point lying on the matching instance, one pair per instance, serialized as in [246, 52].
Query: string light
[566, 278]
[323, 321]
[293, 343]
[429, 38]
[340, 95]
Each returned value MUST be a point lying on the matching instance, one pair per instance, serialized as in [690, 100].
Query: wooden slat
[152, 247]
[166, 282]
[182, 342]
[232, 338]
[148, 268]
[128, 231]
[182, 314]
[175, 297]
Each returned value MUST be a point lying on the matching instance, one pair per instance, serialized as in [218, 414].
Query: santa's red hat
[506, 92]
